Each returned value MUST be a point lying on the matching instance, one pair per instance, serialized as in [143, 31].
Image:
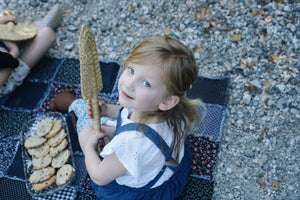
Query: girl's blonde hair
[179, 73]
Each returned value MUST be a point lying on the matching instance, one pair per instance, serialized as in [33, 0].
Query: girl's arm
[112, 110]
[101, 172]
[109, 131]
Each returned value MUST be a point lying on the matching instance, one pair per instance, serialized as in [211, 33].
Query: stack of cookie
[49, 155]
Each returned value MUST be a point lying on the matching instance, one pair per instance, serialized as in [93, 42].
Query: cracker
[54, 141]
[44, 127]
[61, 158]
[34, 141]
[59, 148]
[44, 185]
[41, 175]
[39, 151]
[57, 126]
[42, 162]
[64, 174]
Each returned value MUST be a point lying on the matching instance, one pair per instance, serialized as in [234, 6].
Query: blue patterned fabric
[11, 121]
[12, 189]
[211, 91]
[8, 149]
[54, 75]
[212, 123]
[81, 171]
[27, 97]
[68, 193]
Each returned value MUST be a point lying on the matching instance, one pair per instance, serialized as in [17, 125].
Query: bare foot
[62, 101]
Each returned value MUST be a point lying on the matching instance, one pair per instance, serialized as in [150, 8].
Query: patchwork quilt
[52, 76]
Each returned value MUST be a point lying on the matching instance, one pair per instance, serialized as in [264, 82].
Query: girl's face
[141, 87]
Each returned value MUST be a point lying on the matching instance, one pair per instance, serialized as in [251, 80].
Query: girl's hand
[12, 47]
[88, 139]
[8, 18]
[101, 172]
[102, 106]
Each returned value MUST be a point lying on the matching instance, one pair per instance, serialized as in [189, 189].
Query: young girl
[148, 156]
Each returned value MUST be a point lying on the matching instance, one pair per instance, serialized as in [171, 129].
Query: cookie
[44, 185]
[39, 151]
[55, 150]
[64, 174]
[44, 127]
[34, 141]
[42, 162]
[57, 126]
[54, 141]
[41, 175]
[61, 158]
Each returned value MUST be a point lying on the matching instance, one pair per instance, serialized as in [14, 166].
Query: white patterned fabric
[79, 108]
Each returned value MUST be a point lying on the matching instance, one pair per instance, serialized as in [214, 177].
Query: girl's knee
[48, 34]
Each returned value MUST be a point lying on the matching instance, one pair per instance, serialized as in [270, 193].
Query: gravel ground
[255, 42]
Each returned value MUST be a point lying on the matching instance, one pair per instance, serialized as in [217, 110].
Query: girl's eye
[131, 71]
[146, 84]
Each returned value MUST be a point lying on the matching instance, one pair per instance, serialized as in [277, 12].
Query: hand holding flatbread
[17, 32]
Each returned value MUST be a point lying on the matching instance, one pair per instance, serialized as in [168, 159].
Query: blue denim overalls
[170, 189]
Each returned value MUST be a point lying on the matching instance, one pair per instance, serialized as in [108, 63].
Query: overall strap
[119, 120]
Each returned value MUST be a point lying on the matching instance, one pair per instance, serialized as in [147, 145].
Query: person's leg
[62, 101]
[35, 49]
[4, 74]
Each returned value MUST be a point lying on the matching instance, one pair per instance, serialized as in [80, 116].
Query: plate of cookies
[48, 160]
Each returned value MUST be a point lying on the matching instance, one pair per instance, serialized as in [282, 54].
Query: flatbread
[44, 127]
[57, 126]
[45, 184]
[56, 140]
[39, 151]
[61, 158]
[34, 141]
[59, 148]
[42, 162]
[41, 175]
[64, 174]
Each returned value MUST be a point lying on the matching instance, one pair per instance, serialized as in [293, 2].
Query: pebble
[281, 87]
[265, 47]
[247, 98]
[72, 28]
[69, 46]
[249, 153]
[256, 83]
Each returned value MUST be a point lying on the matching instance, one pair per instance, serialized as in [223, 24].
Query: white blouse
[139, 155]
